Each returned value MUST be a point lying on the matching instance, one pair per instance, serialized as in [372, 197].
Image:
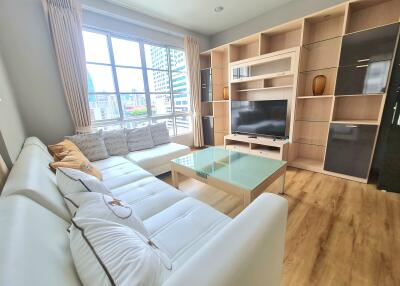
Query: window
[132, 83]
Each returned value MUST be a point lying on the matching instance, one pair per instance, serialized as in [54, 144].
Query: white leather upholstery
[150, 159]
[34, 245]
[31, 176]
[148, 196]
[185, 227]
[247, 251]
[206, 247]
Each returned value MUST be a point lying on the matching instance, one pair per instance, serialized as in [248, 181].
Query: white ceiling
[199, 15]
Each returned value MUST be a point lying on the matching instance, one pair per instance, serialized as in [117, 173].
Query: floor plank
[339, 232]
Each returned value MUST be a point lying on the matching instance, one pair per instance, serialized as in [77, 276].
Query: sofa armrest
[248, 251]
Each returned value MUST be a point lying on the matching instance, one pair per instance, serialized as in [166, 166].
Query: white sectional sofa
[205, 246]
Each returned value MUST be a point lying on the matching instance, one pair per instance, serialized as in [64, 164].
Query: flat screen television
[265, 118]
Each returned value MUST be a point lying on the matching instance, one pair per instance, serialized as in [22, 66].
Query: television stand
[252, 136]
[261, 146]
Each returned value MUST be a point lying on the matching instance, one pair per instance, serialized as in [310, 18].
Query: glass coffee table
[235, 173]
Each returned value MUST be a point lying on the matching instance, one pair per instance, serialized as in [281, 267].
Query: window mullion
[145, 78]
[114, 71]
[171, 91]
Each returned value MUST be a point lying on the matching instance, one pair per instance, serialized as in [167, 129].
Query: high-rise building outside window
[132, 83]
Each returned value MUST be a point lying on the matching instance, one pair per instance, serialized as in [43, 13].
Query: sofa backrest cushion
[116, 142]
[34, 245]
[91, 145]
[160, 134]
[32, 177]
[139, 139]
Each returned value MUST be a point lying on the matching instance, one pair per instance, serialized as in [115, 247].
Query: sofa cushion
[184, 227]
[101, 206]
[148, 196]
[118, 173]
[106, 253]
[160, 134]
[159, 155]
[91, 145]
[31, 176]
[116, 142]
[139, 139]
[73, 181]
[34, 245]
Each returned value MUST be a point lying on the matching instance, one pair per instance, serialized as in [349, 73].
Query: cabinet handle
[394, 113]
[351, 126]
[362, 66]
[363, 60]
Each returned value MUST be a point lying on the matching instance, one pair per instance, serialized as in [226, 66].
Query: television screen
[259, 117]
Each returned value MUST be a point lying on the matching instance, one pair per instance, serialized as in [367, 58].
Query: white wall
[11, 127]
[29, 59]
[285, 13]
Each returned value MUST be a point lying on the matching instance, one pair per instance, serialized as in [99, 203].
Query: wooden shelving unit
[281, 63]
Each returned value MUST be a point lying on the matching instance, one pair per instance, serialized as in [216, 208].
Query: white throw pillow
[101, 206]
[107, 253]
[73, 181]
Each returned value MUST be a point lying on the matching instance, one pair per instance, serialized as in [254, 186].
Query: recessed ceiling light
[218, 9]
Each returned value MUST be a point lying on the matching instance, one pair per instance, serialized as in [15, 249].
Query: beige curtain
[3, 173]
[66, 30]
[192, 51]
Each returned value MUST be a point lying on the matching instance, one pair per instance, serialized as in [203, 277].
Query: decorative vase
[319, 83]
[226, 93]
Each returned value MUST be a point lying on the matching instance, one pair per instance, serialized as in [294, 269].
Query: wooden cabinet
[369, 46]
[350, 149]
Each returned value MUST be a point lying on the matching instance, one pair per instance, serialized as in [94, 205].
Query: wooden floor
[339, 232]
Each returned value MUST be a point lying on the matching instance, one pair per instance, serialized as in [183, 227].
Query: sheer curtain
[192, 51]
[66, 30]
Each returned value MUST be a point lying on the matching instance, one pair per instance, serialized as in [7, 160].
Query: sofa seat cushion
[148, 196]
[34, 245]
[183, 228]
[159, 155]
[110, 162]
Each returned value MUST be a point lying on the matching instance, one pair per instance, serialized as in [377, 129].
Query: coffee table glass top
[239, 169]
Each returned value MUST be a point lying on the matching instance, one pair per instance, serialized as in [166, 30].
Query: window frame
[122, 120]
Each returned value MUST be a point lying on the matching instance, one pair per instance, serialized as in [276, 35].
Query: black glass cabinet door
[349, 149]
[369, 46]
[206, 85]
[208, 130]
[363, 79]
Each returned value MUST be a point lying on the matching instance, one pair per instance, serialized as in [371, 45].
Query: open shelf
[324, 26]
[356, 122]
[310, 132]
[314, 110]
[315, 97]
[281, 38]
[206, 109]
[271, 152]
[205, 61]
[306, 156]
[357, 108]
[321, 55]
[306, 82]
[265, 88]
[369, 14]
[244, 49]
[220, 71]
